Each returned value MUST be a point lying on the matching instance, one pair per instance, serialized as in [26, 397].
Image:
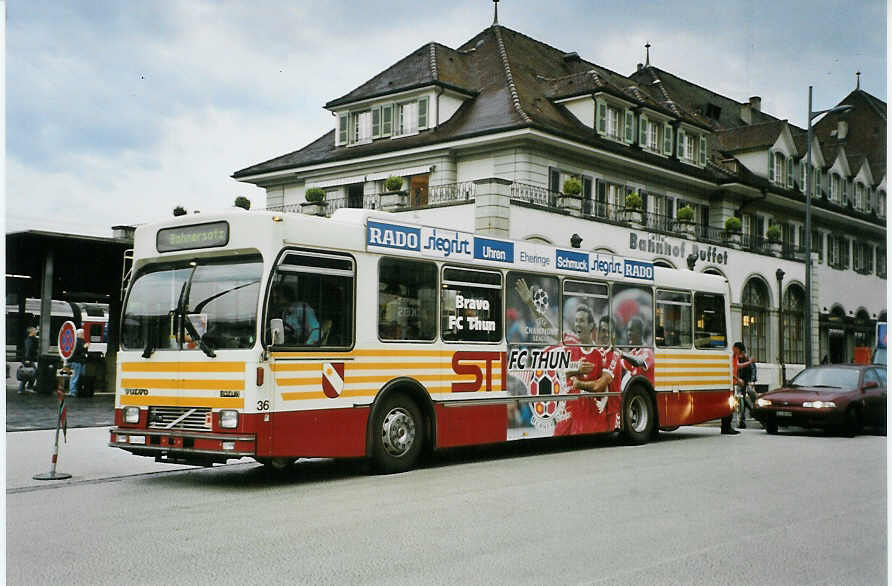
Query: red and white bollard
[62, 383]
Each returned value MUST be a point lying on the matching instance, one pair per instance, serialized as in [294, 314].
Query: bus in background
[280, 336]
[92, 317]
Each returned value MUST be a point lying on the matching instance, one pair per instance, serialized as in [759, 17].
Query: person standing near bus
[29, 359]
[78, 362]
[742, 377]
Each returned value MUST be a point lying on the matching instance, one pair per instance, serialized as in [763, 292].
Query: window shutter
[554, 180]
[703, 150]
[771, 166]
[342, 129]
[789, 171]
[387, 120]
[681, 143]
[642, 130]
[667, 139]
[630, 122]
[587, 187]
[376, 121]
[643, 194]
[602, 117]
[422, 113]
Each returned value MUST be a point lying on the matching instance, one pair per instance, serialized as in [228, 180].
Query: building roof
[746, 138]
[866, 133]
[512, 81]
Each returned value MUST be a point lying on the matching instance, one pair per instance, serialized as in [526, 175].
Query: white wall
[448, 106]
[849, 289]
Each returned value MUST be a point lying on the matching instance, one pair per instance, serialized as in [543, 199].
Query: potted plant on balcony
[569, 198]
[773, 233]
[394, 196]
[633, 209]
[686, 226]
[315, 204]
[732, 230]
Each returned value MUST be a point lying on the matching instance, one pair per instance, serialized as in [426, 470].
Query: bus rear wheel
[639, 417]
[397, 434]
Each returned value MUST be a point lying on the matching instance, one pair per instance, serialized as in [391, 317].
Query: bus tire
[638, 417]
[397, 434]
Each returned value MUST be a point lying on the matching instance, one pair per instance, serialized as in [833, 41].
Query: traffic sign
[67, 340]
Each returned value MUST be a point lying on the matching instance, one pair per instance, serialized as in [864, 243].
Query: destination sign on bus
[456, 245]
[195, 236]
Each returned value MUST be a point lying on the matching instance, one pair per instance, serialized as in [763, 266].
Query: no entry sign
[67, 340]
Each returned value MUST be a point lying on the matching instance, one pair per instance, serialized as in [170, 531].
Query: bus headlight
[131, 414]
[229, 419]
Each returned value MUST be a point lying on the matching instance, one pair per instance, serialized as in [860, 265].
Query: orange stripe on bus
[295, 381]
[168, 401]
[190, 384]
[183, 366]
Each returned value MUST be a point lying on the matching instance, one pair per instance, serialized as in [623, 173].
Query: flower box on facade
[314, 208]
[776, 247]
[633, 216]
[688, 229]
[733, 238]
[573, 203]
[394, 200]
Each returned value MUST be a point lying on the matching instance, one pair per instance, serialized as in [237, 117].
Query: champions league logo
[540, 299]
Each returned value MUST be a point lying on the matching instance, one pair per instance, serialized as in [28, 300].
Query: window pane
[316, 309]
[470, 313]
[632, 315]
[407, 300]
[709, 317]
[586, 314]
[222, 304]
[531, 313]
[673, 320]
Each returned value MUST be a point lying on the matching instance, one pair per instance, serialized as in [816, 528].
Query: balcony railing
[592, 209]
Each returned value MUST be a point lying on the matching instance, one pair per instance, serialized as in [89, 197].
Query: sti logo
[636, 269]
[392, 236]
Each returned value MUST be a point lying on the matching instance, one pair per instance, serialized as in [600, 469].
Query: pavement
[31, 432]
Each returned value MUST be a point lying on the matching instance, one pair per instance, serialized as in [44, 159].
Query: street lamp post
[808, 187]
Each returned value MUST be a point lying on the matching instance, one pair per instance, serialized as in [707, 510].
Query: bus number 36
[263, 405]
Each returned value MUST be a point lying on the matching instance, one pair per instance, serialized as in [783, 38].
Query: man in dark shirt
[78, 361]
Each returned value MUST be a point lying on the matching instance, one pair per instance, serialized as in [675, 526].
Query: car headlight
[131, 414]
[763, 402]
[819, 404]
[228, 419]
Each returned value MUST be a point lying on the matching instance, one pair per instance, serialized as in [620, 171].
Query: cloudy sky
[119, 111]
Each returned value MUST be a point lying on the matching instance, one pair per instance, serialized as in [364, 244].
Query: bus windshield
[200, 304]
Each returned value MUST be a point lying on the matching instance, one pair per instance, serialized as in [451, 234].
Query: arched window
[794, 325]
[754, 315]
[663, 263]
[864, 333]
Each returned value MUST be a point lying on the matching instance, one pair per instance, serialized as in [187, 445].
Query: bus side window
[312, 293]
[673, 319]
[633, 315]
[471, 308]
[407, 300]
[709, 320]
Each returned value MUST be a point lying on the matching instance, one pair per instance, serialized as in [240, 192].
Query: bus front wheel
[397, 434]
[639, 416]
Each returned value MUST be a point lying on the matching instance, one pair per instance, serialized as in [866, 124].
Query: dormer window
[615, 122]
[691, 147]
[383, 121]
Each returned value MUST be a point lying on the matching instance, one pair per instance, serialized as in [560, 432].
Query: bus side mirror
[276, 331]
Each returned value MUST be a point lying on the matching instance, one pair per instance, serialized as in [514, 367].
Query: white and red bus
[282, 336]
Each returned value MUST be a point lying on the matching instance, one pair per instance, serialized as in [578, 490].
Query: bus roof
[353, 229]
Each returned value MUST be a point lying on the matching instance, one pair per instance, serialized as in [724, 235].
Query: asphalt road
[693, 508]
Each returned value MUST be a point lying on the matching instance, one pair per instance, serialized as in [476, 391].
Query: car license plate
[784, 414]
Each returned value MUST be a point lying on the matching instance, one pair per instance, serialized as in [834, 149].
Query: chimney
[756, 103]
[640, 67]
[746, 113]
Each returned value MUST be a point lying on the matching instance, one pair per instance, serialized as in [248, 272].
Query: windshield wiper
[204, 302]
[195, 335]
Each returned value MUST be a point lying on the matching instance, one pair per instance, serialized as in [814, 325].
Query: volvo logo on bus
[382, 235]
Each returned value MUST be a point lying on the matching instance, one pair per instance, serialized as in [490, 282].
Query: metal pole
[808, 188]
